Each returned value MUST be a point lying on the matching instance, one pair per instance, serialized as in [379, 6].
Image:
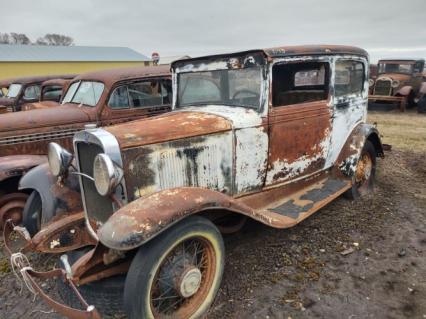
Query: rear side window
[300, 82]
[32, 92]
[141, 94]
[349, 78]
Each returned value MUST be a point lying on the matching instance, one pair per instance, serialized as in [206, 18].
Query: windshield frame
[381, 67]
[79, 83]
[224, 87]
[17, 92]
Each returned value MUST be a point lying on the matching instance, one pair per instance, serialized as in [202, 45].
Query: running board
[293, 209]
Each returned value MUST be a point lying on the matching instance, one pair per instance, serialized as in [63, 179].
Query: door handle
[342, 105]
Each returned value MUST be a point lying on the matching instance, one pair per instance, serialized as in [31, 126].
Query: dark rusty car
[398, 81]
[272, 135]
[51, 93]
[25, 90]
[100, 98]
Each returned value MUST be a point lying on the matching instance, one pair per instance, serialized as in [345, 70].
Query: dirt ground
[352, 259]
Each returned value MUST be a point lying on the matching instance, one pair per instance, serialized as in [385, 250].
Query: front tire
[177, 274]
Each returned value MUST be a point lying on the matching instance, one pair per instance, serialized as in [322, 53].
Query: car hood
[183, 123]
[5, 101]
[394, 76]
[39, 105]
[31, 119]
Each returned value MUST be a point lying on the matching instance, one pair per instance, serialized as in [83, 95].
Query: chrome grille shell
[92, 142]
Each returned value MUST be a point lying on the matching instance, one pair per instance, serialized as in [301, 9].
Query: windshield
[395, 68]
[84, 92]
[14, 90]
[235, 87]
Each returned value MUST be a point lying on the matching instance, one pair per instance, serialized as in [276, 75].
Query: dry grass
[406, 131]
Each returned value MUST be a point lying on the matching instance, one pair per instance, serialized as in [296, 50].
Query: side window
[141, 94]
[52, 93]
[300, 82]
[32, 92]
[349, 78]
[119, 98]
[418, 67]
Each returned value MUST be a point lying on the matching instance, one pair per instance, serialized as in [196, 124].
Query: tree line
[48, 39]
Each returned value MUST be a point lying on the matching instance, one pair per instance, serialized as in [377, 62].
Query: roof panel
[44, 53]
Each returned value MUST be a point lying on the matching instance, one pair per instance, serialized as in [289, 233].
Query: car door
[299, 118]
[136, 99]
[350, 101]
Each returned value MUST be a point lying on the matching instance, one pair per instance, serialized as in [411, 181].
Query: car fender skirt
[348, 157]
[146, 217]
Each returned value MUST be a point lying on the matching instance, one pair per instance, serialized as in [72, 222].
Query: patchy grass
[405, 131]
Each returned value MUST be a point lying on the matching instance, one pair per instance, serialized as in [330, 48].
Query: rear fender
[17, 165]
[136, 223]
[348, 157]
[56, 197]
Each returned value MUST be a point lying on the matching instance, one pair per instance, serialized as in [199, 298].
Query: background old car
[398, 81]
[25, 90]
[99, 98]
[51, 93]
[272, 135]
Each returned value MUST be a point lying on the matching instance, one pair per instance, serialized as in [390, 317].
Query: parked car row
[170, 158]
[399, 81]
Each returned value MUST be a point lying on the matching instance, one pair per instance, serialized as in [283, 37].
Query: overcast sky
[176, 27]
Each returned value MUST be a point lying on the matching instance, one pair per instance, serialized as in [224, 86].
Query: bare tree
[55, 39]
[4, 38]
[18, 38]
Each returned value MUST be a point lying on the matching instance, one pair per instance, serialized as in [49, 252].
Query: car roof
[34, 79]
[401, 60]
[288, 51]
[112, 76]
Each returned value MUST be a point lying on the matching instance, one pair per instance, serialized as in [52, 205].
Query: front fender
[405, 90]
[136, 223]
[18, 165]
[56, 198]
[351, 151]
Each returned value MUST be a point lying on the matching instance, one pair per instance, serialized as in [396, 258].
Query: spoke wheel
[184, 279]
[11, 207]
[177, 274]
[363, 172]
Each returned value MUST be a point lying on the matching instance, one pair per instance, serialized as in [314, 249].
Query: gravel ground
[352, 259]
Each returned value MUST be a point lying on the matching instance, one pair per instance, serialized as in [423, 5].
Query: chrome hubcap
[189, 282]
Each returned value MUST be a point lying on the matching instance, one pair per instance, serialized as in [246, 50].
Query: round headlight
[106, 174]
[59, 159]
[395, 83]
[370, 82]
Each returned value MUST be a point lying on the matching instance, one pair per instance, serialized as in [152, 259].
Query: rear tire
[364, 176]
[178, 273]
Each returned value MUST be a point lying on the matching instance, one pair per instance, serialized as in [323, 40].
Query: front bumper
[400, 100]
[21, 266]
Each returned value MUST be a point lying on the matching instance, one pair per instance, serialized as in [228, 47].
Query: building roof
[45, 53]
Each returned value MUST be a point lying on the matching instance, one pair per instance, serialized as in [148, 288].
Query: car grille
[98, 208]
[383, 87]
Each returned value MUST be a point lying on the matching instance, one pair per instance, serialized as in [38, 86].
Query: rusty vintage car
[398, 82]
[51, 93]
[101, 98]
[25, 90]
[272, 135]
